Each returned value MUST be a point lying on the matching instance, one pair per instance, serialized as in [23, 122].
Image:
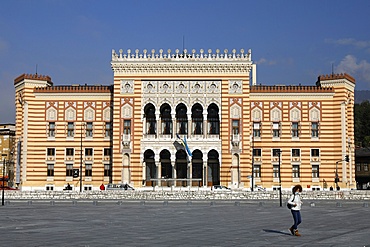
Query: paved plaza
[181, 223]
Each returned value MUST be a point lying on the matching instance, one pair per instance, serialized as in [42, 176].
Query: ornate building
[137, 130]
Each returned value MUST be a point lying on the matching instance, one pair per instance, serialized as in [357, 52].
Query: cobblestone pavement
[181, 223]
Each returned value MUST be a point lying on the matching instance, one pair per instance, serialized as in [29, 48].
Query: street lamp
[281, 202]
[3, 187]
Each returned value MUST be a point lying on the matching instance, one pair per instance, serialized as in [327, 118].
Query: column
[190, 128]
[205, 129]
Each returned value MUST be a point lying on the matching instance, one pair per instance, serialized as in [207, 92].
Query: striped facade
[133, 131]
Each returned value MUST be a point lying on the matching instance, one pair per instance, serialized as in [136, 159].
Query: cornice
[182, 67]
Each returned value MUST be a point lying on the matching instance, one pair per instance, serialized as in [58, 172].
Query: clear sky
[292, 41]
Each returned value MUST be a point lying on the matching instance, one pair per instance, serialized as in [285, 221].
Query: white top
[297, 200]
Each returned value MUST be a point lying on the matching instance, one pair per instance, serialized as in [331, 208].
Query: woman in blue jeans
[296, 202]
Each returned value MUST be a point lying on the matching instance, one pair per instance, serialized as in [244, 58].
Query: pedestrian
[296, 203]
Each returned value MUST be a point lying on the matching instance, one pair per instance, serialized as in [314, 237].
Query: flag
[187, 147]
[184, 145]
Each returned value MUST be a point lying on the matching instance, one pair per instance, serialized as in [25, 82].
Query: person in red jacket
[102, 187]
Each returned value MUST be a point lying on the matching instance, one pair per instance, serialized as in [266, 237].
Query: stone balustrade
[182, 195]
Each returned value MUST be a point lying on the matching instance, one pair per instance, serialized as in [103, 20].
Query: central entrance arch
[181, 167]
[213, 167]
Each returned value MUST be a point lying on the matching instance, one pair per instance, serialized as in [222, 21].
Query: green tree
[362, 124]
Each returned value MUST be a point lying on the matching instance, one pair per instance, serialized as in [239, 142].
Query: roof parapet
[33, 77]
[74, 89]
[290, 89]
[184, 56]
[336, 77]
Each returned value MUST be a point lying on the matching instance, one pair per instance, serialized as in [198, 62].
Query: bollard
[52, 203]
[237, 204]
[29, 202]
[74, 202]
[365, 205]
[339, 204]
[95, 203]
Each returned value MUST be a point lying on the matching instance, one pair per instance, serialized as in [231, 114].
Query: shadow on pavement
[275, 231]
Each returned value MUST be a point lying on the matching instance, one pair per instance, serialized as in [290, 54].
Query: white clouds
[265, 61]
[359, 44]
[358, 69]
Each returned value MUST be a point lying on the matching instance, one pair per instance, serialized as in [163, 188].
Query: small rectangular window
[257, 152]
[257, 129]
[296, 152]
[127, 127]
[50, 170]
[70, 129]
[315, 171]
[50, 151]
[275, 171]
[257, 171]
[366, 167]
[315, 152]
[276, 129]
[295, 171]
[107, 170]
[88, 170]
[69, 170]
[51, 129]
[235, 126]
[295, 129]
[88, 151]
[89, 129]
[108, 129]
[69, 151]
[314, 129]
[107, 151]
[276, 152]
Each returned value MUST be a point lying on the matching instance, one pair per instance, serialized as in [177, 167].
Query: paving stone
[177, 224]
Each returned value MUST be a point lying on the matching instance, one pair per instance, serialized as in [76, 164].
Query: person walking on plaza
[296, 205]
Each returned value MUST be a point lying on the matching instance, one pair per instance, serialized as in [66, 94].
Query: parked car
[119, 187]
[220, 188]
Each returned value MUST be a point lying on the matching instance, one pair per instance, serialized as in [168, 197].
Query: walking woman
[296, 202]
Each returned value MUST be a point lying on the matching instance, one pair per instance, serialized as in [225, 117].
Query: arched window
[197, 119]
[182, 119]
[166, 119]
[151, 125]
[213, 120]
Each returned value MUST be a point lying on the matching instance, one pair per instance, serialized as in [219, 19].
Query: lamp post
[81, 159]
[3, 185]
[281, 202]
[252, 137]
[336, 175]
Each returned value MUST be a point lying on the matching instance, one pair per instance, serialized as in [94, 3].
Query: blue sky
[292, 42]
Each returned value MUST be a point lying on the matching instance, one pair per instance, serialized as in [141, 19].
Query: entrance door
[213, 168]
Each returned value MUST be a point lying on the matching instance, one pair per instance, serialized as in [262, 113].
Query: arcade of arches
[180, 169]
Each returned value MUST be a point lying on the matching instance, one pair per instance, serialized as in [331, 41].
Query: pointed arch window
[197, 119]
[182, 119]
